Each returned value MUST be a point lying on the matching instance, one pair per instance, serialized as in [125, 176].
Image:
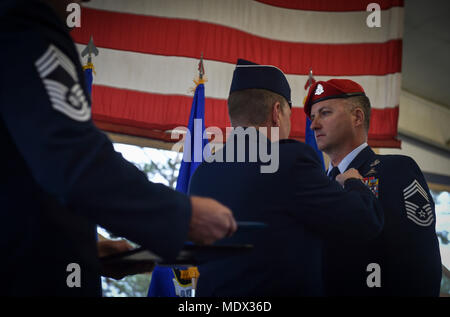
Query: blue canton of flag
[167, 282]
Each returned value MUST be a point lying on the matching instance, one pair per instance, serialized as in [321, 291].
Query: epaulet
[388, 159]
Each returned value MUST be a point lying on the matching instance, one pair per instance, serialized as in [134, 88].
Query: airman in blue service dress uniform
[407, 251]
[61, 175]
[298, 202]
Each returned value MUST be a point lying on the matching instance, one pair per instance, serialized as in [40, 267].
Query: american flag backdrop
[149, 52]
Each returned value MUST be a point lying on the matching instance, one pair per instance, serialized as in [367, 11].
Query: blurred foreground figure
[61, 175]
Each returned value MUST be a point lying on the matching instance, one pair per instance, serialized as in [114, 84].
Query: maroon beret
[333, 88]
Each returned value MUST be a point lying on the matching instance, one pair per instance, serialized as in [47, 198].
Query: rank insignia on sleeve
[372, 183]
[60, 79]
[417, 205]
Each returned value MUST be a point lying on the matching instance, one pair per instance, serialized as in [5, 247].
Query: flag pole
[193, 272]
[164, 280]
[89, 67]
[309, 135]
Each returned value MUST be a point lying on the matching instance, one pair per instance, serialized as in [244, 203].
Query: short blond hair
[253, 106]
[363, 103]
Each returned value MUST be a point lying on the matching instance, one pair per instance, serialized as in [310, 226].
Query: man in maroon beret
[296, 200]
[405, 258]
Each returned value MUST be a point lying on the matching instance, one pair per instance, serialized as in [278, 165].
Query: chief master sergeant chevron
[407, 250]
[61, 175]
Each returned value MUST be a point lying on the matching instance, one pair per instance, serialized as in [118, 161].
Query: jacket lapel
[363, 157]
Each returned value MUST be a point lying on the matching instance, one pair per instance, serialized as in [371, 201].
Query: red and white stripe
[149, 51]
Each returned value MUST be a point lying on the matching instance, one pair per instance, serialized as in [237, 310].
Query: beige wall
[429, 123]
[428, 161]
[424, 118]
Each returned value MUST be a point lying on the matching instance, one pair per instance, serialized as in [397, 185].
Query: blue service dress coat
[407, 250]
[60, 174]
[301, 206]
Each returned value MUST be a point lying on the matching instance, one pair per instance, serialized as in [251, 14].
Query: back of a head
[254, 90]
[252, 107]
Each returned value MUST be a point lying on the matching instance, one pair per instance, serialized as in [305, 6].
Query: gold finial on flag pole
[89, 50]
[310, 77]
[308, 83]
[201, 79]
[201, 69]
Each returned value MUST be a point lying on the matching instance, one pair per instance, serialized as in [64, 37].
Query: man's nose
[314, 124]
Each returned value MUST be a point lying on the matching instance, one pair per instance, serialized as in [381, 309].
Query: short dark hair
[363, 103]
[253, 106]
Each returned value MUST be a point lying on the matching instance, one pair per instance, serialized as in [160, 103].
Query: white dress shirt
[348, 159]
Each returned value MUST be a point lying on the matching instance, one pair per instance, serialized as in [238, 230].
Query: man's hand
[210, 221]
[120, 270]
[351, 173]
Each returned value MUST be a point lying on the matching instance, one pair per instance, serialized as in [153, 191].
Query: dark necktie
[334, 172]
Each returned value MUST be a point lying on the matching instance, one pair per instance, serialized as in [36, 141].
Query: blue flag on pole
[195, 145]
[168, 282]
[311, 140]
[89, 67]
[89, 78]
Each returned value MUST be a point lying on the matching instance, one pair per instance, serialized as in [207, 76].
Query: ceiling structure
[426, 50]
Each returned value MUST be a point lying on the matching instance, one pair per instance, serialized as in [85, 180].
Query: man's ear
[359, 116]
[276, 112]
